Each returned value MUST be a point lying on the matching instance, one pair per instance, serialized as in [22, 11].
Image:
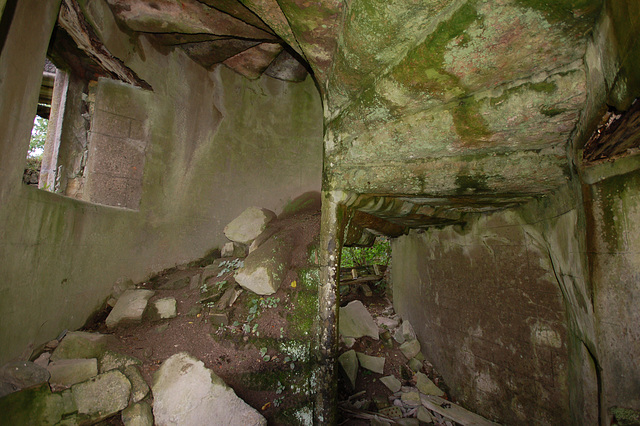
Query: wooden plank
[362, 280]
[453, 411]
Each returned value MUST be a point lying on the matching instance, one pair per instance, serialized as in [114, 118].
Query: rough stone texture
[349, 363]
[164, 308]
[415, 365]
[265, 267]
[36, 405]
[111, 360]
[372, 363]
[67, 372]
[80, 344]
[410, 348]
[233, 249]
[129, 308]
[187, 393]
[248, 225]
[490, 301]
[356, 321]
[616, 263]
[426, 386]
[79, 249]
[23, 374]
[102, 396]
[138, 414]
[391, 382]
[139, 387]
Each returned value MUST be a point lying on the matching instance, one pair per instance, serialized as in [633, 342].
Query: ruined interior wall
[486, 301]
[216, 143]
[615, 269]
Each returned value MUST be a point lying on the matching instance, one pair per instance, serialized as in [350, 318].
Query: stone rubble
[248, 225]
[411, 404]
[77, 380]
[130, 307]
[356, 321]
[187, 393]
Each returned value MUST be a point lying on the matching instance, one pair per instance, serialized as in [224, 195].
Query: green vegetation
[38, 137]
[378, 254]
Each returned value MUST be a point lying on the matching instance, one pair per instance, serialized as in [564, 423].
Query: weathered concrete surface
[74, 250]
[490, 316]
[187, 393]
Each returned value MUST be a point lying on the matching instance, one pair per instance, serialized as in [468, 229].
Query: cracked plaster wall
[216, 144]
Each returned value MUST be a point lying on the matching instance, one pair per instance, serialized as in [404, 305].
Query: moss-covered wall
[216, 144]
[614, 255]
[486, 304]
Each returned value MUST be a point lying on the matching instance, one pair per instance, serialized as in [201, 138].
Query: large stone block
[265, 267]
[80, 344]
[356, 321]
[102, 396]
[187, 393]
[246, 227]
[67, 372]
[33, 406]
[129, 308]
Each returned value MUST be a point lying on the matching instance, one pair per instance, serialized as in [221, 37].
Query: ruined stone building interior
[495, 142]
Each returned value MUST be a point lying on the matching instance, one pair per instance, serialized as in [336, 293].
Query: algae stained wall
[615, 269]
[488, 301]
[213, 143]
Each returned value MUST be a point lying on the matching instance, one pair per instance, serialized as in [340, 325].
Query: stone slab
[129, 308]
[371, 363]
[102, 396]
[187, 393]
[349, 363]
[356, 321]
[248, 225]
[68, 372]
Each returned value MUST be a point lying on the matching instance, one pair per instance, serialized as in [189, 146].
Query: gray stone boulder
[265, 268]
[356, 321]
[426, 386]
[349, 363]
[246, 227]
[139, 387]
[129, 308]
[101, 396]
[164, 308]
[186, 393]
[410, 348]
[67, 372]
[391, 382]
[32, 406]
[80, 344]
[137, 415]
[371, 363]
[23, 374]
[111, 360]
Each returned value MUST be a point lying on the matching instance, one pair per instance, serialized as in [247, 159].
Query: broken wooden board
[453, 411]
[362, 280]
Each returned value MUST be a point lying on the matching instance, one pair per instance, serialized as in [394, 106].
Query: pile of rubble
[76, 380]
[413, 397]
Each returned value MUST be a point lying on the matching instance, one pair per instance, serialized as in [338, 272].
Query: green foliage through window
[38, 137]
[378, 254]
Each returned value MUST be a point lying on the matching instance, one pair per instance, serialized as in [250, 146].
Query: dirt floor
[261, 348]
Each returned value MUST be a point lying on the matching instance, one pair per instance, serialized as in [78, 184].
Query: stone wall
[215, 144]
[614, 262]
[488, 310]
